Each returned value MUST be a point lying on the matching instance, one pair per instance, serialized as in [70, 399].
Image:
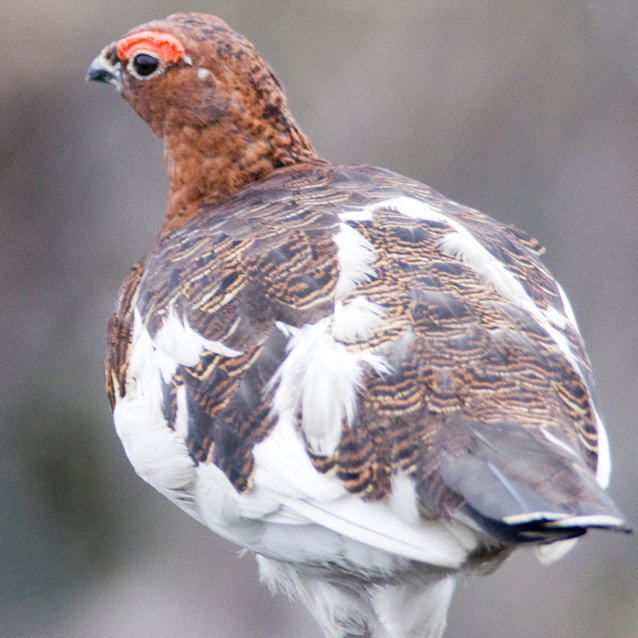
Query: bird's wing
[345, 348]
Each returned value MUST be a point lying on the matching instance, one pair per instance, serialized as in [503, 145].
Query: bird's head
[206, 91]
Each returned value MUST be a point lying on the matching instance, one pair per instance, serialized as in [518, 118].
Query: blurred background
[524, 109]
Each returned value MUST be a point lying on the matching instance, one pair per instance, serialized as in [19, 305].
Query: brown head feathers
[206, 91]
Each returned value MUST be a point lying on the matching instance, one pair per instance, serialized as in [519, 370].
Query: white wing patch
[181, 417]
[321, 376]
[593, 520]
[603, 466]
[284, 467]
[355, 255]
[183, 345]
[364, 214]
[358, 319]
[413, 208]
[157, 453]
[144, 369]
[335, 526]
[464, 246]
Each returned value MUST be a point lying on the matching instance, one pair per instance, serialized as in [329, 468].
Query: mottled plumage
[366, 384]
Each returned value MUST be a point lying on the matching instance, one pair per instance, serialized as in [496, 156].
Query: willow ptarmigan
[367, 385]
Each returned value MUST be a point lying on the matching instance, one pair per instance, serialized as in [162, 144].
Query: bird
[372, 388]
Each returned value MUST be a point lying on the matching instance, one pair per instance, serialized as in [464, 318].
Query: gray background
[525, 109]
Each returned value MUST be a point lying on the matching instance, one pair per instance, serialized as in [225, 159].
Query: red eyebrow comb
[167, 46]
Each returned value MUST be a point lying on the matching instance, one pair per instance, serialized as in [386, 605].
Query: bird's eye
[143, 65]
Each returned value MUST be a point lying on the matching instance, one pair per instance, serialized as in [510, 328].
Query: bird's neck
[213, 162]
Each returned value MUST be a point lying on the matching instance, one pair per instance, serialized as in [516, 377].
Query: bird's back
[398, 338]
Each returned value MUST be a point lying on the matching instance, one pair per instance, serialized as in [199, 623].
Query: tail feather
[519, 490]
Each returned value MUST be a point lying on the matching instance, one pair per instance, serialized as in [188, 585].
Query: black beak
[106, 68]
[98, 72]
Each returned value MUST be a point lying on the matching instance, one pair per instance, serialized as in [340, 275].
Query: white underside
[293, 513]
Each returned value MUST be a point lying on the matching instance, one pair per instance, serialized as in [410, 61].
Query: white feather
[561, 520]
[184, 345]
[404, 204]
[410, 612]
[555, 317]
[603, 467]
[283, 466]
[374, 524]
[463, 245]
[364, 214]
[558, 442]
[551, 552]
[569, 311]
[322, 377]
[403, 498]
[285, 473]
[158, 454]
[413, 208]
[356, 320]
[336, 608]
[355, 255]
[588, 520]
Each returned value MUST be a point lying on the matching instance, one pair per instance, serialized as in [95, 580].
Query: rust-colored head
[204, 90]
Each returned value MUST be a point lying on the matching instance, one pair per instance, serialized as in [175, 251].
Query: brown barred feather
[456, 346]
